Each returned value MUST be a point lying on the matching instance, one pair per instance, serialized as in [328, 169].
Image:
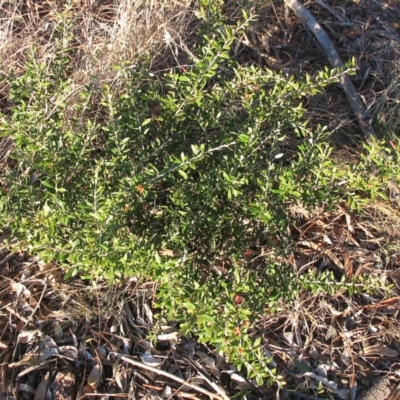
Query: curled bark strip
[364, 121]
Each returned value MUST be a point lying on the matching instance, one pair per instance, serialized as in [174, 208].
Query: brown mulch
[350, 336]
[67, 339]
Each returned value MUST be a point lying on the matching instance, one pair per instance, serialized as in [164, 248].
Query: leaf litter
[91, 340]
[66, 339]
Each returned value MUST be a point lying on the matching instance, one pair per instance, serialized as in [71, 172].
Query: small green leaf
[47, 184]
[146, 121]
[183, 173]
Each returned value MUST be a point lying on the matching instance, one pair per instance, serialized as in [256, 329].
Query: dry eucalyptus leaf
[314, 354]
[166, 253]
[4, 372]
[95, 375]
[119, 378]
[141, 322]
[148, 359]
[236, 377]
[322, 370]
[26, 388]
[58, 332]
[69, 351]
[20, 289]
[207, 360]
[373, 330]
[196, 380]
[348, 266]
[36, 367]
[149, 313]
[28, 336]
[167, 393]
[41, 390]
[129, 315]
[127, 345]
[244, 386]
[46, 349]
[102, 352]
[332, 333]
[74, 339]
[114, 327]
[166, 329]
[380, 349]
[168, 336]
[327, 240]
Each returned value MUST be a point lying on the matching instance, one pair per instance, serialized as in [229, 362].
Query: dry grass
[388, 103]
[104, 32]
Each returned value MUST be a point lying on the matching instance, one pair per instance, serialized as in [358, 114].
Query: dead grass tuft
[387, 102]
[100, 34]
[103, 32]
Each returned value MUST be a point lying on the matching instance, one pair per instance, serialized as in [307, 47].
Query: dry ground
[70, 339]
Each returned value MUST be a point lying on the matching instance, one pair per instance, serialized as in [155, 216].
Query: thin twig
[170, 376]
[37, 306]
[207, 378]
[176, 167]
[354, 99]
[6, 258]
[384, 34]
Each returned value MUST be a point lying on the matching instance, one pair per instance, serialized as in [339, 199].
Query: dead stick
[170, 376]
[356, 104]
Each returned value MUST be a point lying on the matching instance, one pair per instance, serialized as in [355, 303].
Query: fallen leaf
[302, 367]
[27, 336]
[166, 336]
[20, 289]
[41, 390]
[236, 377]
[149, 313]
[384, 303]
[166, 253]
[381, 350]
[348, 266]
[148, 359]
[328, 253]
[95, 375]
[35, 367]
[207, 360]
[119, 378]
[348, 222]
[4, 372]
[237, 299]
[46, 349]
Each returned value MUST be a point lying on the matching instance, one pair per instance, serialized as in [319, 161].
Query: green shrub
[193, 161]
